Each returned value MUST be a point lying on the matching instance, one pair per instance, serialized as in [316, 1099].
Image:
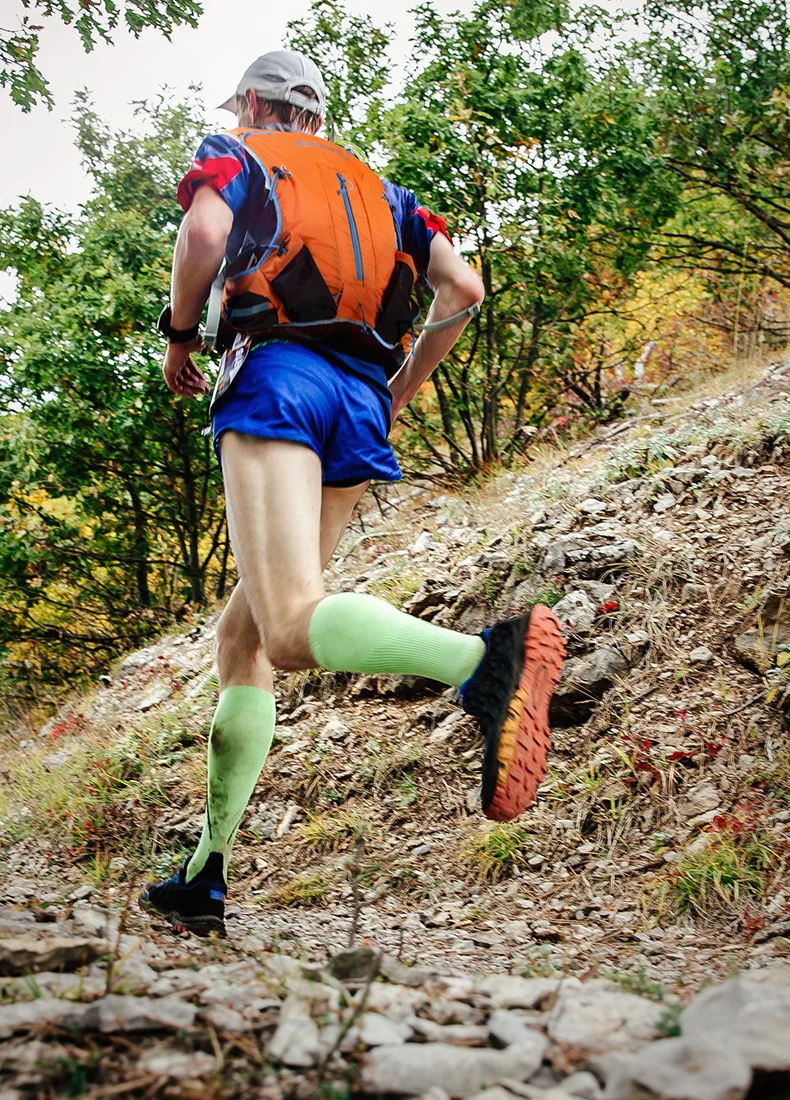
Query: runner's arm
[199, 252]
[456, 287]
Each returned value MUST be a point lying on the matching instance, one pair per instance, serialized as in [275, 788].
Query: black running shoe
[198, 906]
[509, 695]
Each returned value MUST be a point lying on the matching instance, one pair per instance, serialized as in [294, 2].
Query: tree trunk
[141, 548]
[223, 571]
[529, 363]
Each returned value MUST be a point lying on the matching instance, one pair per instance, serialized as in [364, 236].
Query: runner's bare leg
[280, 477]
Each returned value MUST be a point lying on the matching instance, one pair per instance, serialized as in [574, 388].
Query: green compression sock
[239, 742]
[357, 633]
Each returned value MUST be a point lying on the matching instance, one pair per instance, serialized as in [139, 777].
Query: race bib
[229, 366]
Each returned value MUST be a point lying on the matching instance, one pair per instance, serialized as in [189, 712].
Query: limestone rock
[23, 1014]
[507, 991]
[23, 954]
[598, 592]
[108, 1014]
[757, 648]
[584, 1085]
[584, 680]
[176, 1064]
[593, 507]
[467, 1035]
[32, 1057]
[749, 1015]
[597, 1015]
[506, 1028]
[375, 1030]
[355, 964]
[296, 1041]
[400, 974]
[335, 730]
[90, 920]
[498, 1093]
[576, 612]
[699, 799]
[158, 694]
[117, 1013]
[413, 1069]
[226, 1018]
[592, 561]
[680, 1069]
[664, 503]
[431, 595]
[396, 1001]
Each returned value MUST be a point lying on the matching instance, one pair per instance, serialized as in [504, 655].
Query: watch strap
[176, 335]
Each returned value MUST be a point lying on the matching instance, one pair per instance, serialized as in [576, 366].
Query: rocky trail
[383, 939]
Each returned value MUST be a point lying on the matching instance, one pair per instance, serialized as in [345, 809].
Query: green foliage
[637, 981]
[397, 585]
[541, 154]
[87, 790]
[720, 74]
[353, 56]
[498, 851]
[669, 1026]
[92, 22]
[332, 830]
[307, 889]
[111, 516]
[731, 870]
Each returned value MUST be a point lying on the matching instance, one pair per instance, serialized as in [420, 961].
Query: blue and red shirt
[222, 163]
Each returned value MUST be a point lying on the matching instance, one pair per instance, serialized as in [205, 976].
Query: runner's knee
[237, 637]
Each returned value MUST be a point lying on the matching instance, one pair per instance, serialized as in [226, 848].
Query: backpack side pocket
[398, 311]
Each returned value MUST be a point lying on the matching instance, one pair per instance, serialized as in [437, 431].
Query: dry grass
[331, 830]
[495, 852]
[737, 866]
[307, 889]
[95, 790]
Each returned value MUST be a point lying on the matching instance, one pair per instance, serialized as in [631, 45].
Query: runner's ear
[252, 104]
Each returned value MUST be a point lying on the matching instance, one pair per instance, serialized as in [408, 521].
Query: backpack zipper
[352, 225]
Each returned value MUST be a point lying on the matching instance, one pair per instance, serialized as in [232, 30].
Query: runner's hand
[181, 374]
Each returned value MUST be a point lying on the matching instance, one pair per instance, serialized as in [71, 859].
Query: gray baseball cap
[275, 75]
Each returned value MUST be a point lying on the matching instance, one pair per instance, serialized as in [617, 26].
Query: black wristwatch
[175, 335]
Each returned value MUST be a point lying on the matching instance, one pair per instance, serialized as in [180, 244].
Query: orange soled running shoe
[509, 695]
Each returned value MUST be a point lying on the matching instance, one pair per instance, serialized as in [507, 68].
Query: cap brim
[228, 105]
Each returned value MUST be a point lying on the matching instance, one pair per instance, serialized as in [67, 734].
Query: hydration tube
[214, 314]
[448, 322]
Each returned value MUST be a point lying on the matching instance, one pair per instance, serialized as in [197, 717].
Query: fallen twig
[359, 1008]
[124, 1086]
[754, 699]
[355, 869]
[363, 538]
[121, 929]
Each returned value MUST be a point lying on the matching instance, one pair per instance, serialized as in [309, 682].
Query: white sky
[231, 34]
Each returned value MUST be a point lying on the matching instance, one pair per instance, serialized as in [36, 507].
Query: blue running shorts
[288, 391]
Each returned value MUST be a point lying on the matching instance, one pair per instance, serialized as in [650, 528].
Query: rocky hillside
[655, 860]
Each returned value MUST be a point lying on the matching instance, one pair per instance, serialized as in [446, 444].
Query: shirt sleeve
[221, 163]
[416, 225]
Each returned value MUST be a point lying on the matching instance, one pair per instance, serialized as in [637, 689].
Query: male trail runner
[301, 430]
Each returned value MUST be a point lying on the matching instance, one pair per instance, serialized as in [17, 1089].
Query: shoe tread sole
[198, 925]
[525, 737]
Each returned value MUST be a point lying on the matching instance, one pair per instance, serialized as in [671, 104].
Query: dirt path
[657, 853]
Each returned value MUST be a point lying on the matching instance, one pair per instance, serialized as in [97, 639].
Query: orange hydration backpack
[333, 264]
